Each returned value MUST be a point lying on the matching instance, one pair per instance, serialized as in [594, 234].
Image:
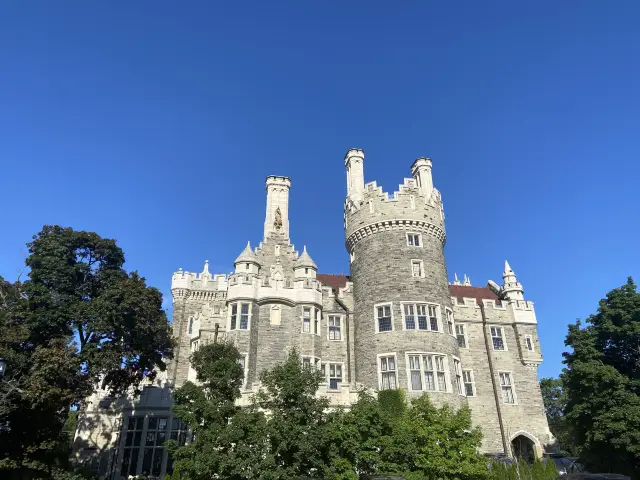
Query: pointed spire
[247, 255]
[456, 281]
[305, 260]
[507, 269]
[206, 267]
[466, 281]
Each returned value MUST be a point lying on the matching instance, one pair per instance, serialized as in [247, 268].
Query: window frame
[377, 319]
[446, 370]
[421, 264]
[511, 385]
[503, 336]
[379, 358]
[340, 317]
[412, 235]
[457, 370]
[472, 382]
[238, 304]
[464, 334]
[315, 362]
[245, 370]
[416, 324]
[529, 343]
[325, 368]
[311, 319]
[452, 324]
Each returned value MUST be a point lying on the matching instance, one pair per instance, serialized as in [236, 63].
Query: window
[179, 435]
[384, 318]
[335, 327]
[417, 269]
[316, 325]
[306, 271]
[243, 323]
[242, 361]
[308, 362]
[458, 370]
[388, 373]
[449, 321]
[469, 385]
[154, 451]
[427, 372]
[414, 239]
[528, 342]
[420, 316]
[497, 338]
[194, 346]
[506, 385]
[461, 336]
[132, 443]
[306, 319]
[246, 266]
[334, 371]
[190, 326]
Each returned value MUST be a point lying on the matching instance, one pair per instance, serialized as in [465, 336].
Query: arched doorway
[523, 447]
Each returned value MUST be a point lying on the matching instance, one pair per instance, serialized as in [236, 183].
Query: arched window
[190, 331]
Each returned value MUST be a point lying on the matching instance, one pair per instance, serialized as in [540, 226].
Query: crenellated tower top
[416, 206]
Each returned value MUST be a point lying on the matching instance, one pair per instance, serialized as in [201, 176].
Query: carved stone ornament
[277, 273]
[277, 223]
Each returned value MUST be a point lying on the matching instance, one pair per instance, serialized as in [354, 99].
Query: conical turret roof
[305, 260]
[247, 255]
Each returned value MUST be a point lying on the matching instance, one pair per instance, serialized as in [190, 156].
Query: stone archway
[524, 446]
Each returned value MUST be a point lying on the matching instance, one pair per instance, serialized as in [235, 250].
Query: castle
[395, 322]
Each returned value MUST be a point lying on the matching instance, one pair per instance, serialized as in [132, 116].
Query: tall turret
[277, 216]
[401, 288]
[511, 289]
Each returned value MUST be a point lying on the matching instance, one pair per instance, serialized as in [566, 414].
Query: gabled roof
[337, 281]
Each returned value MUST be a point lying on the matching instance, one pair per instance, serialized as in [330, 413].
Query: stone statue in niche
[277, 223]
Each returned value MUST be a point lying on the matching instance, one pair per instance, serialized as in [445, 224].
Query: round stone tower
[404, 335]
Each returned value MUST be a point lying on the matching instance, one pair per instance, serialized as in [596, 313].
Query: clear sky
[156, 123]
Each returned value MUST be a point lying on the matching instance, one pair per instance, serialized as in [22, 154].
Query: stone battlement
[183, 280]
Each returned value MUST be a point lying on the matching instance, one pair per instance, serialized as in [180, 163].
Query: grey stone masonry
[395, 322]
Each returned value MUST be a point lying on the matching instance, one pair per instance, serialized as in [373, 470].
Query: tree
[555, 401]
[78, 319]
[602, 381]
[229, 441]
[295, 431]
[78, 288]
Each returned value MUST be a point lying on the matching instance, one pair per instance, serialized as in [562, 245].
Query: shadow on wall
[95, 445]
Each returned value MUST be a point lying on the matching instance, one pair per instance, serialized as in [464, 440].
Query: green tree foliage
[229, 441]
[602, 382]
[524, 471]
[555, 402]
[422, 441]
[78, 319]
[78, 287]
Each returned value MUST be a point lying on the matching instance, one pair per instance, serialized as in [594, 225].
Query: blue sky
[155, 123]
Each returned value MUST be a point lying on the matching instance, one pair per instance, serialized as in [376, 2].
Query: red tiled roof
[332, 280]
[459, 291]
[479, 293]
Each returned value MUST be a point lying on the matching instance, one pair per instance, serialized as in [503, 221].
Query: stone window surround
[512, 385]
[404, 323]
[502, 335]
[465, 333]
[245, 369]
[375, 316]
[529, 343]
[472, 382]
[341, 318]
[447, 371]
[315, 320]
[457, 367]
[452, 332]
[419, 262]
[379, 366]
[238, 314]
[313, 361]
[326, 371]
[412, 235]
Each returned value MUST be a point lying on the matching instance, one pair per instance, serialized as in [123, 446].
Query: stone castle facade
[395, 322]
